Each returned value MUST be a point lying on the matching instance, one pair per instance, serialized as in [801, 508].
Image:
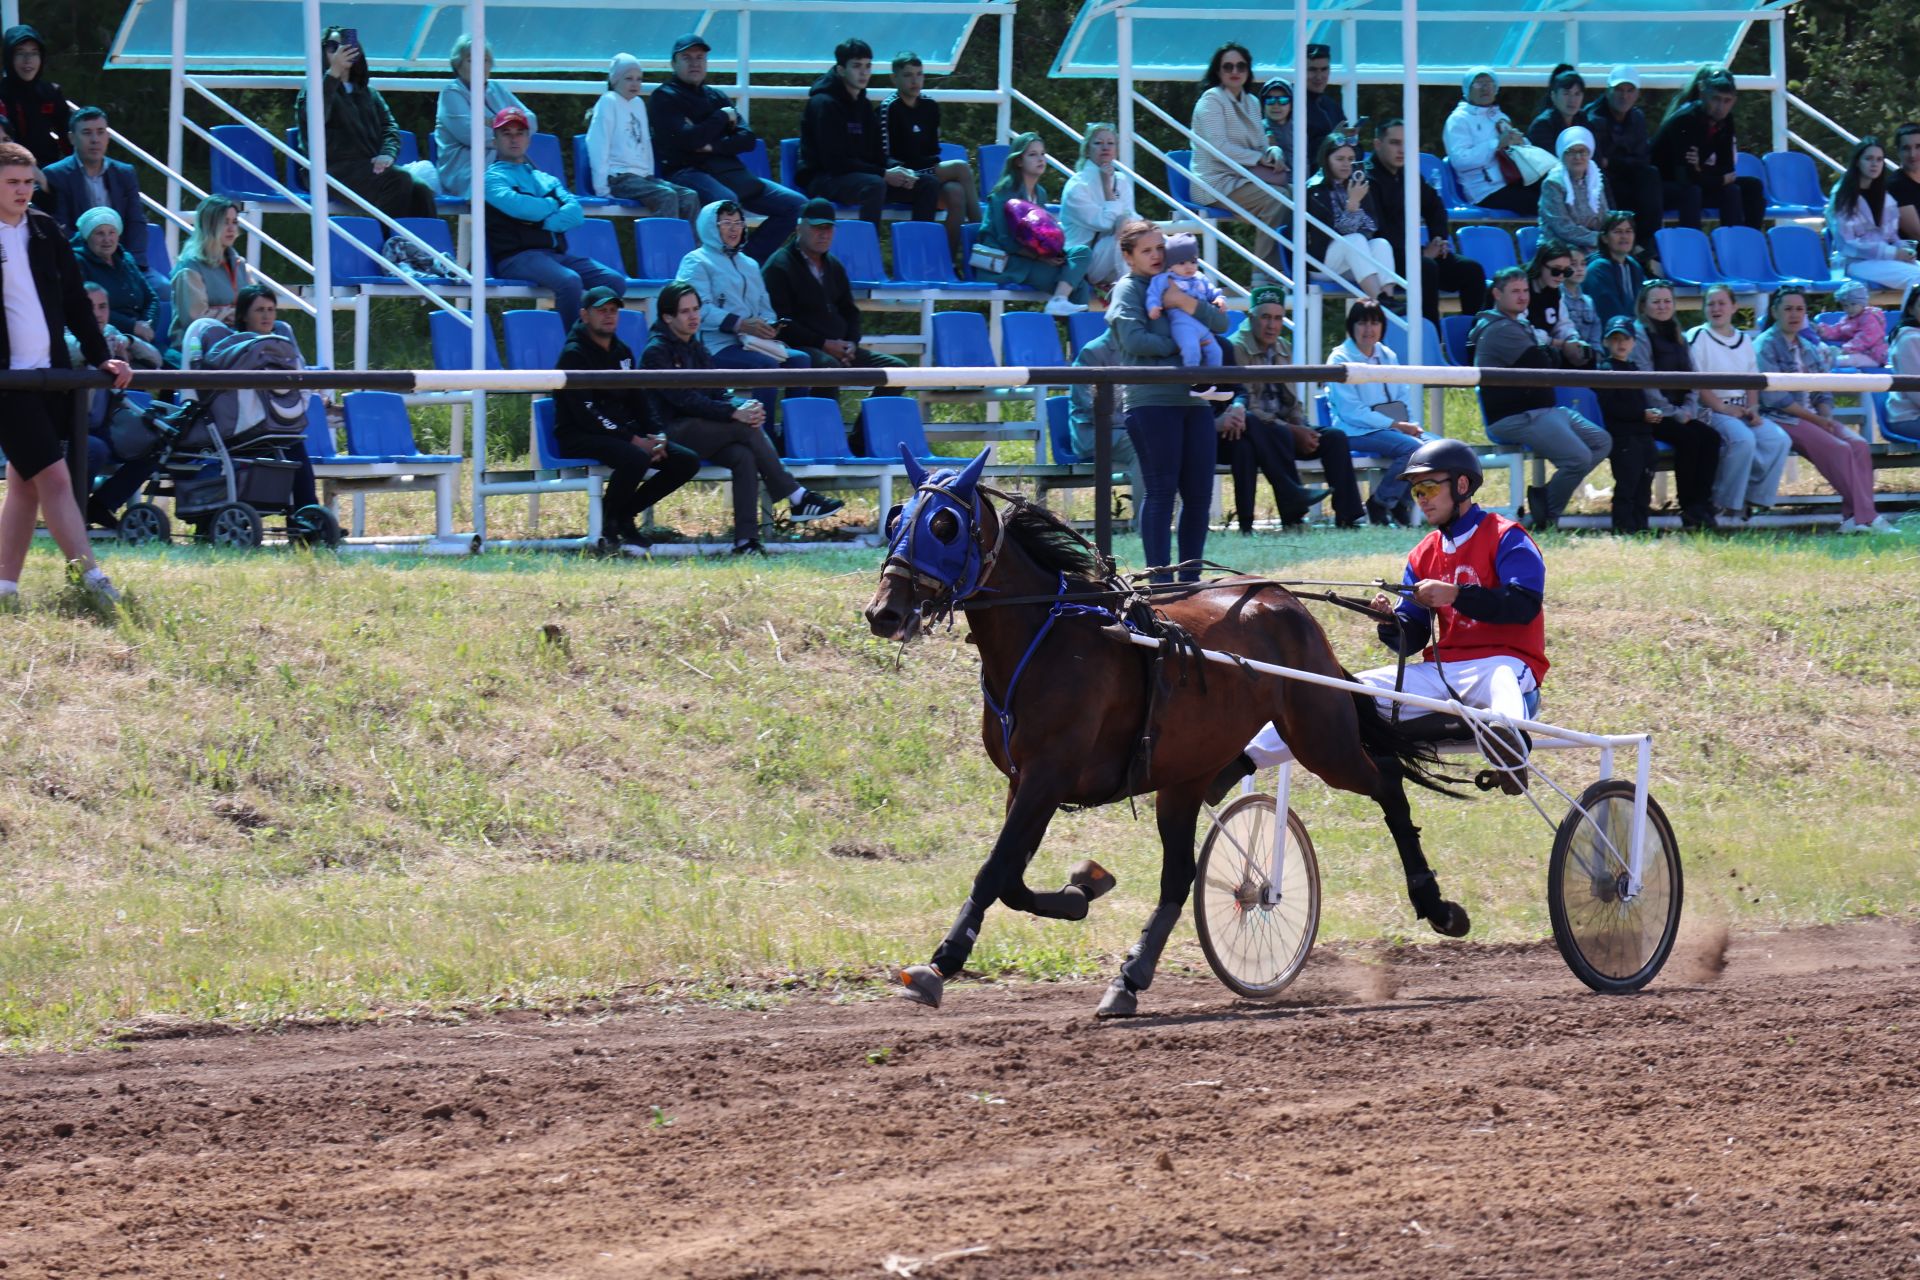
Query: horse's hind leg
[1423, 889]
[1175, 815]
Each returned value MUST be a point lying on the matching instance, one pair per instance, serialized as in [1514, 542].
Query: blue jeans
[568, 274]
[754, 194]
[1176, 449]
[1394, 446]
[738, 357]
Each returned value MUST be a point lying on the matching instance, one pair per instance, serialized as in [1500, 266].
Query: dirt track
[1457, 1110]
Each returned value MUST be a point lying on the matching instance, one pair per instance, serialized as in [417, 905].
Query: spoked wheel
[1255, 944]
[142, 522]
[1613, 943]
[313, 526]
[235, 525]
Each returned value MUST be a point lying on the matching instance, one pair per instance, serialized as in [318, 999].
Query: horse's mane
[1053, 544]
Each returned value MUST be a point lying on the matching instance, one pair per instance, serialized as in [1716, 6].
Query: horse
[1077, 715]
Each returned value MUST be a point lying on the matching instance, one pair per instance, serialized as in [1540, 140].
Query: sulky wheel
[1255, 944]
[313, 526]
[235, 524]
[1612, 943]
[142, 523]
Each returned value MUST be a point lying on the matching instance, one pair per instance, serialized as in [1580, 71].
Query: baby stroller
[228, 458]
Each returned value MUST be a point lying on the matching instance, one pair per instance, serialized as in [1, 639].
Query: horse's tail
[1419, 761]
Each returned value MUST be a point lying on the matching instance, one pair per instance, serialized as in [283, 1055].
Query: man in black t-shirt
[910, 138]
[1903, 184]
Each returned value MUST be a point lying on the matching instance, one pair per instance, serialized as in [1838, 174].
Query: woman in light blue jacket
[737, 321]
[1378, 418]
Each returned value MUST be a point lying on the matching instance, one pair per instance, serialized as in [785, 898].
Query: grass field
[296, 787]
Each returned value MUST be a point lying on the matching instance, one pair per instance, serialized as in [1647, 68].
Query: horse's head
[937, 549]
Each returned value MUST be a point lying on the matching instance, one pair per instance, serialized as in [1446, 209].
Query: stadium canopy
[1523, 39]
[537, 36]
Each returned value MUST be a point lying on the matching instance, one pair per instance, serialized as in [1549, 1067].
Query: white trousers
[1884, 273]
[1357, 257]
[1499, 685]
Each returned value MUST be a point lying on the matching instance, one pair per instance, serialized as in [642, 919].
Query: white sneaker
[1058, 305]
[1213, 393]
[1883, 525]
[94, 582]
[1848, 526]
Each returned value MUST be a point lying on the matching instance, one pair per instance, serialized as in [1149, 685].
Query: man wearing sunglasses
[1474, 587]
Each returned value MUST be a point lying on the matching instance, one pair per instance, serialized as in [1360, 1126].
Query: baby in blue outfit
[1197, 344]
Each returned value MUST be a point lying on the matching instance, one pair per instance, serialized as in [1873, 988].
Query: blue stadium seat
[1527, 239]
[1180, 187]
[993, 162]
[1454, 331]
[857, 245]
[1030, 339]
[1581, 400]
[755, 161]
[1909, 430]
[1491, 247]
[452, 342]
[887, 422]
[599, 239]
[1083, 327]
[356, 252]
[662, 242]
[320, 445]
[1431, 350]
[543, 152]
[633, 331]
[229, 179]
[952, 151]
[1060, 429]
[1440, 174]
[546, 440]
[433, 233]
[377, 423]
[1742, 252]
[811, 430]
[921, 257]
[409, 147]
[583, 177]
[158, 259]
[960, 341]
[789, 162]
[534, 338]
[1793, 184]
[1800, 255]
[1687, 259]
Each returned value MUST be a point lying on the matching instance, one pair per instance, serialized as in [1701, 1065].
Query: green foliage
[1856, 61]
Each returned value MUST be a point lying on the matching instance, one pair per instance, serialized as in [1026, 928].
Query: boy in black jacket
[1629, 420]
[842, 148]
[614, 426]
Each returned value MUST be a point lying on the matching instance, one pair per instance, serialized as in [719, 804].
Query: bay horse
[1071, 716]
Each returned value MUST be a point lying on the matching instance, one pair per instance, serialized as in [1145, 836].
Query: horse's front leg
[1175, 812]
[1031, 806]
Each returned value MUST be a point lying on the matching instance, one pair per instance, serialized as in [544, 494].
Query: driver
[1479, 578]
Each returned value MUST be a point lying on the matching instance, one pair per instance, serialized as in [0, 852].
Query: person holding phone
[363, 142]
[738, 323]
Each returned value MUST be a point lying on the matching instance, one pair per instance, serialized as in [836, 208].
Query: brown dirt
[1451, 1110]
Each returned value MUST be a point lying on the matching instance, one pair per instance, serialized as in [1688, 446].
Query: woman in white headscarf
[1573, 197]
[1478, 137]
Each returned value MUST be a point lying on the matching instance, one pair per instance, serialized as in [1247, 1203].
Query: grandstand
[212, 48]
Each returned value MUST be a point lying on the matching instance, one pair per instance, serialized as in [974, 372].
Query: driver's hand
[1383, 603]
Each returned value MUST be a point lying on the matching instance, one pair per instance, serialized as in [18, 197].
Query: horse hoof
[1453, 921]
[1118, 1002]
[1091, 878]
[922, 984]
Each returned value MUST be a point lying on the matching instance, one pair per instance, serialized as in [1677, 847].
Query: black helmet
[1444, 457]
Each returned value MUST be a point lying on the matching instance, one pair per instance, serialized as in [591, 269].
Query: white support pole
[1410, 175]
[1350, 67]
[1123, 45]
[479, 135]
[1777, 72]
[743, 53]
[1302, 162]
[315, 128]
[1003, 111]
[176, 114]
[10, 12]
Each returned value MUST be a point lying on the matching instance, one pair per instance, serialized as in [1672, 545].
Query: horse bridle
[935, 598]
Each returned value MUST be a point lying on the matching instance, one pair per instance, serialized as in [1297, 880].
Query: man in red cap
[528, 211]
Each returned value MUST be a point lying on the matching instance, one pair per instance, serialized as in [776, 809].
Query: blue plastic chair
[857, 245]
[546, 440]
[633, 331]
[1582, 400]
[452, 342]
[357, 243]
[1083, 327]
[1431, 349]
[1793, 184]
[157, 256]
[1180, 187]
[921, 257]
[534, 338]
[755, 160]
[1491, 247]
[662, 243]
[811, 430]
[960, 341]
[1030, 339]
[320, 444]
[1800, 255]
[1060, 429]
[1443, 179]
[887, 422]
[597, 238]
[409, 147]
[229, 179]
[1742, 252]
[377, 423]
[543, 152]
[1687, 257]
[790, 162]
[993, 162]
[1527, 239]
[1454, 331]
[1908, 430]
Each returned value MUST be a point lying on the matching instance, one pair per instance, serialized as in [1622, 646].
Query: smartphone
[350, 36]
[781, 323]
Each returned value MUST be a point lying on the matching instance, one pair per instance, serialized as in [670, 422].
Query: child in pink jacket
[1862, 333]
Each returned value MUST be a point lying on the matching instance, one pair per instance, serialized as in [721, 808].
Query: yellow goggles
[1427, 488]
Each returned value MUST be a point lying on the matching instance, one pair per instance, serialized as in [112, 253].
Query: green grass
[295, 787]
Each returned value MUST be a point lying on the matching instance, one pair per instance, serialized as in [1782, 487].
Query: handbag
[766, 347]
[986, 257]
[1391, 408]
[1531, 163]
[131, 434]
